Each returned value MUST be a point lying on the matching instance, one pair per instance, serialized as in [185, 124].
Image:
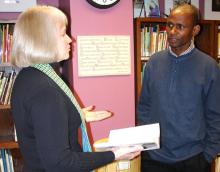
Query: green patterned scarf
[49, 71]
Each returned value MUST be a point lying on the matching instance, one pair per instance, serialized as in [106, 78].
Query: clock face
[103, 3]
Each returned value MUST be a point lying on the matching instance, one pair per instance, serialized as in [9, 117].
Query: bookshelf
[206, 41]
[7, 137]
[138, 25]
[7, 76]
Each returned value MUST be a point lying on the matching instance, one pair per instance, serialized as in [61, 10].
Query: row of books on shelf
[6, 82]
[153, 39]
[6, 161]
[6, 31]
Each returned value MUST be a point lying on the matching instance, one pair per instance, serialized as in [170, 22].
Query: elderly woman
[46, 114]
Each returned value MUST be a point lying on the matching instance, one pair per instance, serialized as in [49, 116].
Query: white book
[8, 89]
[146, 135]
[13, 80]
[3, 160]
[7, 160]
[1, 81]
[3, 87]
[15, 134]
[11, 165]
[1, 163]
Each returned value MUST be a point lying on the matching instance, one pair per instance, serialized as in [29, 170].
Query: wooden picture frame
[152, 8]
[216, 5]
[16, 5]
[209, 13]
[138, 8]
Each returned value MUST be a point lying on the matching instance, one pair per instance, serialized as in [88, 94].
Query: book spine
[11, 166]
[4, 160]
[8, 90]
[7, 160]
[1, 163]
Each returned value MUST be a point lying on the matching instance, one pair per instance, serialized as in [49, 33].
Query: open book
[146, 135]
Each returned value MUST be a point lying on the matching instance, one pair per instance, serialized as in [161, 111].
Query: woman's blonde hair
[35, 36]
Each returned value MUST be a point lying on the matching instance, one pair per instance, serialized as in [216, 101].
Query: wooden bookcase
[138, 23]
[7, 134]
[206, 41]
[7, 137]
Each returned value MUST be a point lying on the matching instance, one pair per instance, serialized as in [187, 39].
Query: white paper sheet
[146, 135]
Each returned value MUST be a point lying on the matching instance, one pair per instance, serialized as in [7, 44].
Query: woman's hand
[91, 116]
[127, 153]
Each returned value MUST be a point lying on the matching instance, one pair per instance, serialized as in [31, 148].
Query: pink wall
[114, 93]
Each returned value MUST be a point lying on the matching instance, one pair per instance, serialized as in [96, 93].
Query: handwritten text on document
[103, 55]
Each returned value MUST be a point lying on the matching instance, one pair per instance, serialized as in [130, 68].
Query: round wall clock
[103, 3]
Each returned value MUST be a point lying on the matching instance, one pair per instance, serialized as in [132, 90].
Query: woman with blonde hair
[46, 114]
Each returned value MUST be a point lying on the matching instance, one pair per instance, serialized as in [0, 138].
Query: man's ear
[196, 30]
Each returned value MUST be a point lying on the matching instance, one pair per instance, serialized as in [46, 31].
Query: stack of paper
[146, 135]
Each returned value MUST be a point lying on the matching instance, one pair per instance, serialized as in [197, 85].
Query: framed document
[152, 8]
[212, 10]
[16, 5]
